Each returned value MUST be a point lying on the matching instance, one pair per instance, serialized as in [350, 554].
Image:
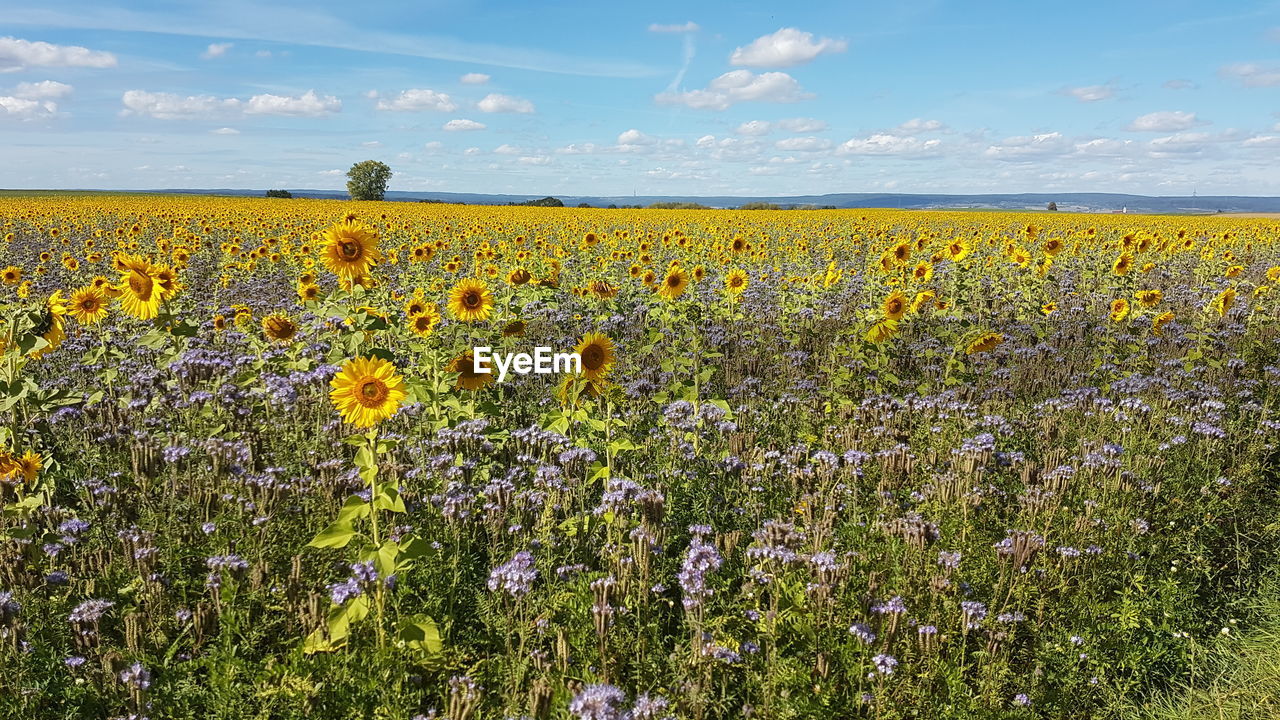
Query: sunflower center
[372, 392]
[593, 357]
[140, 285]
[673, 281]
[350, 249]
[471, 299]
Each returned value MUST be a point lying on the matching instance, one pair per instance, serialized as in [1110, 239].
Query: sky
[654, 98]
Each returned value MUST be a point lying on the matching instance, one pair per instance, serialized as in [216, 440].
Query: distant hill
[1068, 202]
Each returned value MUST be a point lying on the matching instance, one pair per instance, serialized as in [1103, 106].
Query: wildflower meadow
[811, 464]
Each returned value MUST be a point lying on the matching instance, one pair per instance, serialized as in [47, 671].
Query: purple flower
[698, 561]
[516, 576]
[599, 702]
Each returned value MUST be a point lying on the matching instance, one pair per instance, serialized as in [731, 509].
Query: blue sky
[658, 98]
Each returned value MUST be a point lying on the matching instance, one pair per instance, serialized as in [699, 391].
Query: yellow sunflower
[1149, 298]
[279, 328]
[674, 284]
[425, 322]
[1157, 325]
[882, 331]
[895, 306]
[140, 287]
[367, 391]
[11, 275]
[596, 351]
[87, 306]
[468, 378]
[736, 282]
[52, 325]
[350, 249]
[470, 300]
[1223, 302]
[1119, 309]
[986, 342]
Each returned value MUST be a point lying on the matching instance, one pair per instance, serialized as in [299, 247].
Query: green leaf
[354, 508]
[336, 535]
[389, 499]
[422, 634]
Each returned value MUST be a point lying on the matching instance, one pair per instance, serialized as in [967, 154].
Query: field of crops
[814, 463]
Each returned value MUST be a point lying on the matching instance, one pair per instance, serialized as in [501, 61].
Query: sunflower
[1049, 308]
[1149, 298]
[279, 328]
[674, 284]
[140, 287]
[468, 378]
[87, 306]
[1053, 246]
[52, 325]
[1223, 302]
[350, 249]
[1123, 264]
[895, 306]
[219, 322]
[308, 292]
[1119, 309]
[417, 304]
[882, 331]
[514, 328]
[11, 275]
[28, 465]
[518, 276]
[367, 391]
[602, 289]
[957, 250]
[922, 272]
[986, 342]
[596, 351]
[470, 300]
[1157, 324]
[425, 322]
[736, 282]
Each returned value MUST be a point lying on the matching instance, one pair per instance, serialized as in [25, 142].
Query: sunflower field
[814, 464]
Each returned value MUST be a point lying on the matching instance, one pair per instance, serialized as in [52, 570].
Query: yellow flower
[1049, 308]
[51, 326]
[468, 378]
[1223, 302]
[87, 306]
[674, 284]
[424, 322]
[279, 328]
[597, 353]
[367, 391]
[985, 342]
[11, 275]
[470, 300]
[1157, 325]
[882, 331]
[140, 287]
[350, 249]
[1122, 264]
[736, 282]
[1119, 309]
[895, 306]
[1149, 298]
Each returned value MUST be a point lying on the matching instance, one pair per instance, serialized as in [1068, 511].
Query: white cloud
[1105, 147]
[1252, 74]
[1165, 121]
[498, 103]
[460, 124]
[1179, 144]
[474, 78]
[887, 144]
[307, 105]
[216, 50]
[1090, 93]
[754, 128]
[1178, 84]
[18, 54]
[535, 160]
[168, 106]
[433, 146]
[45, 90]
[506, 149]
[371, 144]
[916, 126]
[688, 27]
[579, 149]
[25, 109]
[330, 172]
[1262, 141]
[787, 47]
[802, 125]
[634, 137]
[225, 131]
[418, 99]
[803, 144]
[738, 86]
[1022, 148]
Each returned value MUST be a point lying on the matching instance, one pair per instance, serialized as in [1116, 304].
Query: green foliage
[368, 180]
[284, 194]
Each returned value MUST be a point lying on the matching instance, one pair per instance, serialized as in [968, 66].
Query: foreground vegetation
[816, 463]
